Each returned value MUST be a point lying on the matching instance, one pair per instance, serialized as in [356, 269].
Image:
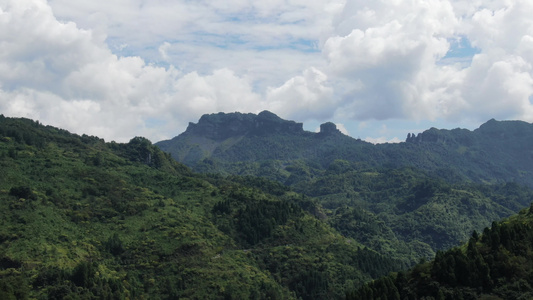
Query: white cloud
[67, 77]
[342, 128]
[221, 91]
[393, 51]
[163, 50]
[499, 82]
[303, 97]
[116, 69]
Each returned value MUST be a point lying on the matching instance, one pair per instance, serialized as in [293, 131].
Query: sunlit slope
[84, 219]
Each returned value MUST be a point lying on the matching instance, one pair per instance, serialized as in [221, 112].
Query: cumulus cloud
[67, 77]
[220, 91]
[303, 97]
[393, 52]
[118, 69]
[499, 82]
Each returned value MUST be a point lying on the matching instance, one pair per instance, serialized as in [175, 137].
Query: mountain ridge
[82, 218]
[227, 134]
[220, 126]
[441, 184]
[472, 155]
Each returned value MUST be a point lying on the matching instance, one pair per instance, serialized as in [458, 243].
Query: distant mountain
[237, 137]
[406, 200]
[235, 143]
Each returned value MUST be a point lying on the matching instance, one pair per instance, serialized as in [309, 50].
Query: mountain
[235, 143]
[498, 151]
[496, 264]
[240, 137]
[85, 219]
[405, 200]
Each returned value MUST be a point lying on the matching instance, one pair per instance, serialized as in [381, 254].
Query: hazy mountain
[498, 151]
[240, 137]
[407, 200]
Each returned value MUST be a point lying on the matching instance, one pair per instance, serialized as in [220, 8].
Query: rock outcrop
[222, 126]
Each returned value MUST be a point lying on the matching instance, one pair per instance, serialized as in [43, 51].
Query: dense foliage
[85, 219]
[404, 200]
[409, 215]
[407, 201]
[497, 264]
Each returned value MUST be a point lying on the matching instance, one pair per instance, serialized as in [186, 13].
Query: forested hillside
[86, 219]
[494, 264]
[408, 215]
[405, 200]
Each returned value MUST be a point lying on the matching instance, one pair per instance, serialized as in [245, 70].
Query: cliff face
[329, 128]
[249, 137]
[222, 133]
[491, 132]
[496, 151]
[222, 126]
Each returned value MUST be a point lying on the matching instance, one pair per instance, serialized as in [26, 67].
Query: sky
[118, 69]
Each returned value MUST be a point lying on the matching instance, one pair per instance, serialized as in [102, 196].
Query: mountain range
[406, 200]
[498, 151]
[264, 210]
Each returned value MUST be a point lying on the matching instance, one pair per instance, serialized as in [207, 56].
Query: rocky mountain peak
[221, 126]
[329, 128]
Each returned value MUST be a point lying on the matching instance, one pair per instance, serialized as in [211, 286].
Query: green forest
[85, 219]
[405, 200]
[494, 264]
[82, 218]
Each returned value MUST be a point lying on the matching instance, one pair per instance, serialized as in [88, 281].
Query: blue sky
[379, 69]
